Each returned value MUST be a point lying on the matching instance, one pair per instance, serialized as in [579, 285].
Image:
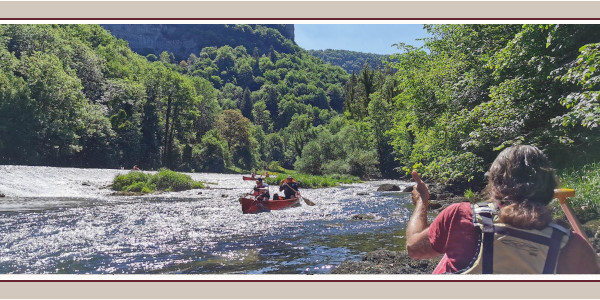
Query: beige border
[284, 10]
[299, 9]
[300, 290]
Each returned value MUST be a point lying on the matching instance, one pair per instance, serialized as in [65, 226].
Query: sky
[370, 38]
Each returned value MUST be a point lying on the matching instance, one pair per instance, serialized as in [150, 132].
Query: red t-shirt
[452, 233]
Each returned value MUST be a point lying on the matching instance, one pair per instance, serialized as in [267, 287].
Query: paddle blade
[563, 194]
[308, 202]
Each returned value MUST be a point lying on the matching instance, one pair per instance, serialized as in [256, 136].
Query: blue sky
[371, 38]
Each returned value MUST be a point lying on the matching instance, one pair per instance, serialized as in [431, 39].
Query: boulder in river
[386, 262]
[363, 217]
[386, 187]
[433, 205]
[2, 195]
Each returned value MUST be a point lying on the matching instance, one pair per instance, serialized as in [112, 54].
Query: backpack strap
[487, 255]
[553, 251]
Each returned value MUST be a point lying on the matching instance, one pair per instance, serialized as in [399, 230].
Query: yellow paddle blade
[563, 194]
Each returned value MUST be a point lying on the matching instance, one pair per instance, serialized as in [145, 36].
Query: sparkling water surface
[66, 220]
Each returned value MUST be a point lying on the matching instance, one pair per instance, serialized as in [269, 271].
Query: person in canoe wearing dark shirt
[289, 187]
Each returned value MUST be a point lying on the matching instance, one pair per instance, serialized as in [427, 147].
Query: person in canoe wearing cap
[261, 190]
[289, 187]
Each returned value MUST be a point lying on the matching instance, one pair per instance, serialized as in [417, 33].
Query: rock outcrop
[386, 262]
[386, 187]
[185, 39]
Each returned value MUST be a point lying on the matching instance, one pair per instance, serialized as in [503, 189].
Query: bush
[123, 182]
[363, 164]
[275, 166]
[336, 167]
[167, 180]
[311, 181]
[469, 194]
[164, 180]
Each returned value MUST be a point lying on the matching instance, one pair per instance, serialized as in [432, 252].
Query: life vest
[285, 181]
[503, 249]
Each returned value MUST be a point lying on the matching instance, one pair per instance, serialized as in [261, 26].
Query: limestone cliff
[185, 39]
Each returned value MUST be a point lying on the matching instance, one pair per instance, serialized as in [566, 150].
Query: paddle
[562, 195]
[307, 201]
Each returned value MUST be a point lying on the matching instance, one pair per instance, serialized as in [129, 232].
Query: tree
[261, 116]
[212, 154]
[380, 115]
[235, 129]
[298, 131]
[246, 104]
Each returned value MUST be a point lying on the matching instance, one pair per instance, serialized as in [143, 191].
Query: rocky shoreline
[397, 262]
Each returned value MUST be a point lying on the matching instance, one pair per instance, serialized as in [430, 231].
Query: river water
[65, 221]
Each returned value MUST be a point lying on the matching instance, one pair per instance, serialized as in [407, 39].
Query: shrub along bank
[164, 180]
[312, 181]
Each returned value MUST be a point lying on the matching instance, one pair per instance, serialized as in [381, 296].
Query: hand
[420, 192]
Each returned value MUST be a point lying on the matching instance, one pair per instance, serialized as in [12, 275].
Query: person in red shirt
[521, 182]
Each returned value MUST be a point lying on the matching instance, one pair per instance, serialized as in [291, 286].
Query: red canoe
[254, 177]
[251, 206]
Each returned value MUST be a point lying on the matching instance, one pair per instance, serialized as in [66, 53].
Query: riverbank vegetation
[313, 181]
[164, 180]
[586, 182]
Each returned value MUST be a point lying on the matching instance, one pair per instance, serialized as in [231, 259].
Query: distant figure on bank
[511, 233]
[135, 168]
[261, 190]
[289, 187]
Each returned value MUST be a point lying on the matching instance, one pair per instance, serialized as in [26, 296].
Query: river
[66, 221]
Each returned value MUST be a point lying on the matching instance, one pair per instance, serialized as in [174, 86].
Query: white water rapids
[66, 220]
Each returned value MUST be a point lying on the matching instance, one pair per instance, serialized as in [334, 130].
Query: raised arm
[417, 230]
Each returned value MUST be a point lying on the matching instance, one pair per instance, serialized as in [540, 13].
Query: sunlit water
[65, 220]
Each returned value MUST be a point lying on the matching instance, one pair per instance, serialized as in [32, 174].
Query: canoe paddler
[289, 187]
[261, 190]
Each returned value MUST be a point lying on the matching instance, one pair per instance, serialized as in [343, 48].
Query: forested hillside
[351, 61]
[74, 95]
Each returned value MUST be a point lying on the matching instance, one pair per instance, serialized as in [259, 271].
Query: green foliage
[212, 154]
[585, 180]
[481, 88]
[75, 95]
[349, 151]
[164, 180]
[167, 180]
[134, 178]
[351, 61]
[583, 104]
[236, 130]
[469, 195]
[312, 181]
